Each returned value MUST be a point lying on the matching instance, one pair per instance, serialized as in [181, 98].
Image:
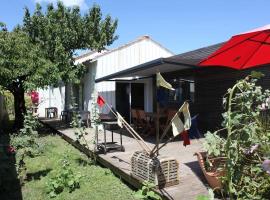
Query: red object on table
[242, 51]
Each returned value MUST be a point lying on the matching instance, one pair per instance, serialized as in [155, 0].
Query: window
[184, 90]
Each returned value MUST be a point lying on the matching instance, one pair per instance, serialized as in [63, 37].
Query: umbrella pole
[157, 126]
[167, 128]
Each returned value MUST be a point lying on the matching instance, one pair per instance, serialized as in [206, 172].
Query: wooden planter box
[212, 177]
[162, 171]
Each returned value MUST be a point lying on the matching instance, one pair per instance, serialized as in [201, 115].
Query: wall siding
[211, 85]
[118, 60]
[103, 64]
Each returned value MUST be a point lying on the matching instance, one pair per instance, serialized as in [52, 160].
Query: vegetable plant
[146, 192]
[247, 145]
[65, 178]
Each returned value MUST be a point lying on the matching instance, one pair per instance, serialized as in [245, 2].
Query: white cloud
[68, 3]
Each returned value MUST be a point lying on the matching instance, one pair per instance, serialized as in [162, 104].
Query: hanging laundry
[119, 120]
[185, 137]
[162, 83]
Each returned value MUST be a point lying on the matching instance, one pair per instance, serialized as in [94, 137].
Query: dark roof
[182, 61]
[197, 55]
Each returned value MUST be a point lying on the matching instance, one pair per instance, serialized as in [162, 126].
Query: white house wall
[120, 59]
[103, 64]
[130, 56]
[51, 97]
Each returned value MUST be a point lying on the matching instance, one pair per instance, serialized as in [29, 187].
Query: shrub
[25, 143]
[65, 178]
[248, 141]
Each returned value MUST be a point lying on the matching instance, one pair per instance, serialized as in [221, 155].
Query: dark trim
[143, 66]
[129, 80]
[132, 70]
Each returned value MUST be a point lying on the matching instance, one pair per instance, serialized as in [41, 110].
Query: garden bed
[96, 182]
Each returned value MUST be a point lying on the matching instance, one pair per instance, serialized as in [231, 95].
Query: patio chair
[135, 118]
[144, 123]
[64, 115]
[51, 112]
[170, 114]
[85, 117]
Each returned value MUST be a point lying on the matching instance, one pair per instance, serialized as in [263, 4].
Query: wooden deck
[192, 182]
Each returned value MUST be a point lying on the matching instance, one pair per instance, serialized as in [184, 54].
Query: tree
[61, 31]
[41, 51]
[22, 64]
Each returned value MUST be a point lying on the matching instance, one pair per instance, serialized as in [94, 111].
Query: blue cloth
[162, 97]
[194, 131]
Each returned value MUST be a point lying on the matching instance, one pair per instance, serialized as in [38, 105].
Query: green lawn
[97, 183]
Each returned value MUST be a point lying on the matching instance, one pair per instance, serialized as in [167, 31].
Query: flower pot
[213, 176]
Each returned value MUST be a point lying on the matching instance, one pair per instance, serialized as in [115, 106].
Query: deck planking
[192, 182]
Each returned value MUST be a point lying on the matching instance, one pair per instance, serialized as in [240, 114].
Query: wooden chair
[85, 117]
[135, 118]
[170, 115]
[147, 127]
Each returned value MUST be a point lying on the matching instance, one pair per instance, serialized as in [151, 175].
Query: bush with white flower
[247, 144]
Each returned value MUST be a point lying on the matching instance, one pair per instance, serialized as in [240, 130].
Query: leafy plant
[214, 144]
[210, 196]
[8, 103]
[25, 143]
[65, 178]
[248, 141]
[79, 129]
[81, 133]
[146, 192]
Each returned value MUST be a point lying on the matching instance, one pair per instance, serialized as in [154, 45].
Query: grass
[97, 183]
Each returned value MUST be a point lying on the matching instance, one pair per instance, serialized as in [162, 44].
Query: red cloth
[185, 137]
[100, 101]
[242, 51]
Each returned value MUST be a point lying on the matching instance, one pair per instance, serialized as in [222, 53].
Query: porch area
[192, 182]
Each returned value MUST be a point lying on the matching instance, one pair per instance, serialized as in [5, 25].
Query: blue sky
[179, 25]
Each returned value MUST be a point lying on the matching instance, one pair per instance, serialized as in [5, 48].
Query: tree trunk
[19, 106]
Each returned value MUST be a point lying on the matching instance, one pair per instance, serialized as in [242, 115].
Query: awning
[148, 69]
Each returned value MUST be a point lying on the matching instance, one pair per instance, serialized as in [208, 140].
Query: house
[116, 93]
[59, 96]
[204, 87]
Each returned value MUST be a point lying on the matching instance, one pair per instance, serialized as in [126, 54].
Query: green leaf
[202, 197]
[139, 196]
[71, 183]
[153, 195]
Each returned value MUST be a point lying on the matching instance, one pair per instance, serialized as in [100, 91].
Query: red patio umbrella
[243, 51]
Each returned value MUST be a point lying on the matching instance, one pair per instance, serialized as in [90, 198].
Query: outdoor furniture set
[145, 122]
[66, 115]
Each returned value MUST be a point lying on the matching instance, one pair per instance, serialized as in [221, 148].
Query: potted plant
[212, 161]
